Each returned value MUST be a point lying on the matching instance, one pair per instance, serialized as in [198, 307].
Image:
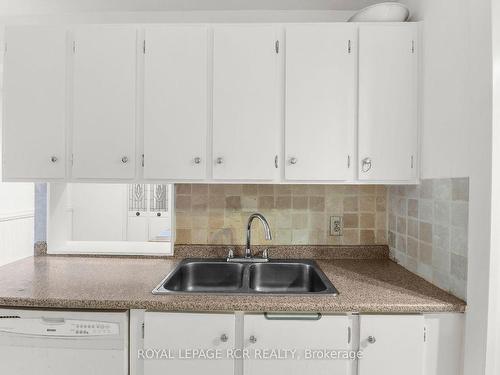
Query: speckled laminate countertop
[369, 285]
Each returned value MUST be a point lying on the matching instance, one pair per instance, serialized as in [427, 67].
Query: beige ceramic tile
[316, 203]
[367, 203]
[351, 204]
[366, 221]
[183, 189]
[284, 202]
[367, 236]
[218, 213]
[351, 221]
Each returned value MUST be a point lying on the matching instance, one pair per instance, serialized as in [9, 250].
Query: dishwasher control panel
[88, 328]
[58, 327]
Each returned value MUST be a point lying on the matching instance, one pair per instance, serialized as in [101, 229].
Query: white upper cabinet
[175, 102]
[320, 101]
[34, 122]
[245, 103]
[104, 102]
[388, 102]
[391, 344]
[334, 102]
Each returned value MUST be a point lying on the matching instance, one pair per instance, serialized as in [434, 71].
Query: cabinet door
[178, 332]
[104, 104]
[299, 333]
[444, 343]
[387, 102]
[34, 136]
[175, 102]
[245, 122]
[391, 344]
[320, 101]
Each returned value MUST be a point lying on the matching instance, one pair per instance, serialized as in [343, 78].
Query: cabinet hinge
[142, 160]
[277, 46]
[144, 46]
[412, 46]
[349, 46]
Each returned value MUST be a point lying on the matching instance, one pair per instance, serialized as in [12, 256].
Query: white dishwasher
[35, 342]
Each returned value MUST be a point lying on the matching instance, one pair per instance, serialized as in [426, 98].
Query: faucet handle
[265, 253]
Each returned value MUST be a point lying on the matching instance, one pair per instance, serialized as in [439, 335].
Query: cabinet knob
[253, 339]
[197, 160]
[219, 160]
[53, 159]
[366, 164]
[372, 339]
[124, 159]
[293, 160]
[223, 337]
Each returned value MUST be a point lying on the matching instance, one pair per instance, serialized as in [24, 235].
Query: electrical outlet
[336, 226]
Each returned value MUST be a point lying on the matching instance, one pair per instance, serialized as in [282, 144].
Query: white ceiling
[10, 7]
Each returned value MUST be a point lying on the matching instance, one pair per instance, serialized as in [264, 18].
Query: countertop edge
[248, 308]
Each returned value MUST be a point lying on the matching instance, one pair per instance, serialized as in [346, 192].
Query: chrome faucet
[248, 252]
[267, 231]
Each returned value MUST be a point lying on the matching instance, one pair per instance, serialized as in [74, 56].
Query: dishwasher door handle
[53, 321]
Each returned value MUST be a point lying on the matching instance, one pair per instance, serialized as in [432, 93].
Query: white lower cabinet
[299, 341]
[391, 344]
[178, 334]
[444, 342]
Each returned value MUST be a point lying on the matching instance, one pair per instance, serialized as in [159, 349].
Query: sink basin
[286, 278]
[220, 277]
[207, 277]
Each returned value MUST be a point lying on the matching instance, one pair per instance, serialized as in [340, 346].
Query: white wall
[493, 366]
[65, 6]
[456, 137]
[99, 212]
[16, 210]
[16, 221]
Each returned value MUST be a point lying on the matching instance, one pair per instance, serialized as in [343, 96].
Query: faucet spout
[267, 231]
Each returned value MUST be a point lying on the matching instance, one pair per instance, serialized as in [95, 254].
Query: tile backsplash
[297, 214]
[428, 227]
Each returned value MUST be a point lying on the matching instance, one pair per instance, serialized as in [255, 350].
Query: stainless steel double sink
[201, 276]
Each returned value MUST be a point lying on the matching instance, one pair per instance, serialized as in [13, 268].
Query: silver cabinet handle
[366, 164]
[219, 160]
[53, 159]
[293, 160]
[372, 339]
[253, 339]
[276, 161]
[292, 316]
[124, 159]
[224, 337]
[197, 160]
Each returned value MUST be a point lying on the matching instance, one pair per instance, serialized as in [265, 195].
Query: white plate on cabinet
[383, 12]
